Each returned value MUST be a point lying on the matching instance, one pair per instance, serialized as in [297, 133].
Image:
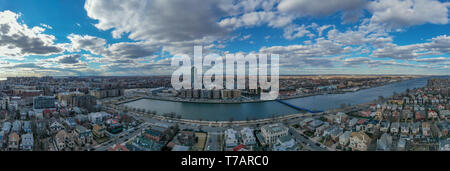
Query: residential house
[118, 147]
[444, 145]
[27, 127]
[248, 138]
[395, 128]
[83, 135]
[285, 143]
[335, 132]
[344, 138]
[99, 131]
[341, 118]
[17, 126]
[2, 135]
[444, 127]
[64, 140]
[27, 142]
[153, 135]
[352, 122]
[56, 126]
[415, 128]
[231, 138]
[13, 141]
[6, 127]
[98, 117]
[420, 116]
[384, 126]
[444, 114]
[384, 143]
[432, 114]
[71, 122]
[426, 129]
[401, 144]
[320, 129]
[359, 141]
[405, 128]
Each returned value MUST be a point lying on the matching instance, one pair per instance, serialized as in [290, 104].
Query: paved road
[213, 142]
[308, 142]
[121, 138]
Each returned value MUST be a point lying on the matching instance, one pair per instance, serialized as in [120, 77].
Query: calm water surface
[223, 112]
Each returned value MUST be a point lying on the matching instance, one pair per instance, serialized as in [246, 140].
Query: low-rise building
[13, 141]
[118, 147]
[64, 140]
[384, 143]
[16, 126]
[359, 141]
[27, 127]
[273, 131]
[285, 143]
[384, 126]
[426, 129]
[248, 138]
[83, 135]
[231, 138]
[395, 128]
[415, 128]
[444, 145]
[6, 127]
[98, 131]
[27, 142]
[344, 139]
[405, 128]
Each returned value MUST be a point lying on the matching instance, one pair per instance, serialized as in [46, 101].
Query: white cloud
[157, 20]
[17, 40]
[400, 13]
[116, 51]
[350, 8]
[257, 18]
[291, 32]
[437, 46]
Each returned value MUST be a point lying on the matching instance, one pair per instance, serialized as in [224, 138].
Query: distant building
[44, 102]
[216, 94]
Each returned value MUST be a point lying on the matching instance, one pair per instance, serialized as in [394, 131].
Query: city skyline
[352, 37]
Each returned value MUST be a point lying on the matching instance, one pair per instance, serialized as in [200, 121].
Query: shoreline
[174, 99]
[160, 116]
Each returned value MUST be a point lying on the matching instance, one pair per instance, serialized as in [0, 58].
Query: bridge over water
[296, 107]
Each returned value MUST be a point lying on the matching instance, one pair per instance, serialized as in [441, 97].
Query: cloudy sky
[138, 37]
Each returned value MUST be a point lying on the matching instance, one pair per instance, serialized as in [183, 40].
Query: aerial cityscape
[110, 75]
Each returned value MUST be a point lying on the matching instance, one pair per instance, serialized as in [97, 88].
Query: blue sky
[138, 37]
